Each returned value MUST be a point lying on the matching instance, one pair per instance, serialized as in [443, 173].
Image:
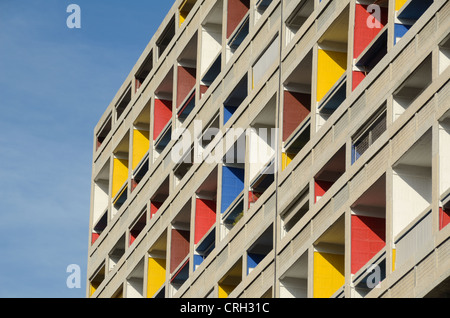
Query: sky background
[55, 83]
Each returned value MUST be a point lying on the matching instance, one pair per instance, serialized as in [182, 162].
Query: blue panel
[182, 275]
[186, 109]
[198, 259]
[240, 35]
[399, 31]
[415, 9]
[253, 260]
[164, 140]
[336, 100]
[213, 71]
[207, 242]
[264, 3]
[232, 185]
[228, 111]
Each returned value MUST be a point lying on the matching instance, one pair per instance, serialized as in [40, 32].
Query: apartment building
[278, 149]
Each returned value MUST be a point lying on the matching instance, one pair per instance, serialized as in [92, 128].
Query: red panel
[357, 78]
[163, 114]
[95, 236]
[368, 237]
[253, 197]
[185, 82]
[133, 185]
[137, 228]
[138, 85]
[179, 248]
[296, 108]
[203, 89]
[205, 217]
[154, 207]
[364, 33]
[132, 237]
[320, 187]
[444, 218]
[237, 9]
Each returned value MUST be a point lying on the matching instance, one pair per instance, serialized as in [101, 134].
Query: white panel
[260, 151]
[100, 198]
[293, 288]
[134, 288]
[411, 195]
[211, 45]
[414, 240]
[444, 157]
[265, 61]
[444, 59]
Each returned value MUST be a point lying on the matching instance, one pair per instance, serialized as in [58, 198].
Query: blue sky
[55, 83]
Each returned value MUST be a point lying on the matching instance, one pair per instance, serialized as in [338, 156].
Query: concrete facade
[356, 195]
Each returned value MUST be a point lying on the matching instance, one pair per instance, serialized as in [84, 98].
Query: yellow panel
[330, 67]
[225, 290]
[156, 275]
[393, 259]
[141, 145]
[286, 159]
[184, 10]
[399, 4]
[182, 18]
[92, 291]
[328, 274]
[120, 174]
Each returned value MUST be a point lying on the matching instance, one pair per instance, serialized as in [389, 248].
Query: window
[369, 134]
[186, 80]
[116, 253]
[104, 132]
[332, 69]
[166, 37]
[123, 103]
[298, 18]
[265, 61]
[144, 70]
[97, 279]
[238, 24]
[444, 55]
[329, 174]
[261, 7]
[412, 87]
[235, 99]
[137, 227]
[295, 212]
[211, 47]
